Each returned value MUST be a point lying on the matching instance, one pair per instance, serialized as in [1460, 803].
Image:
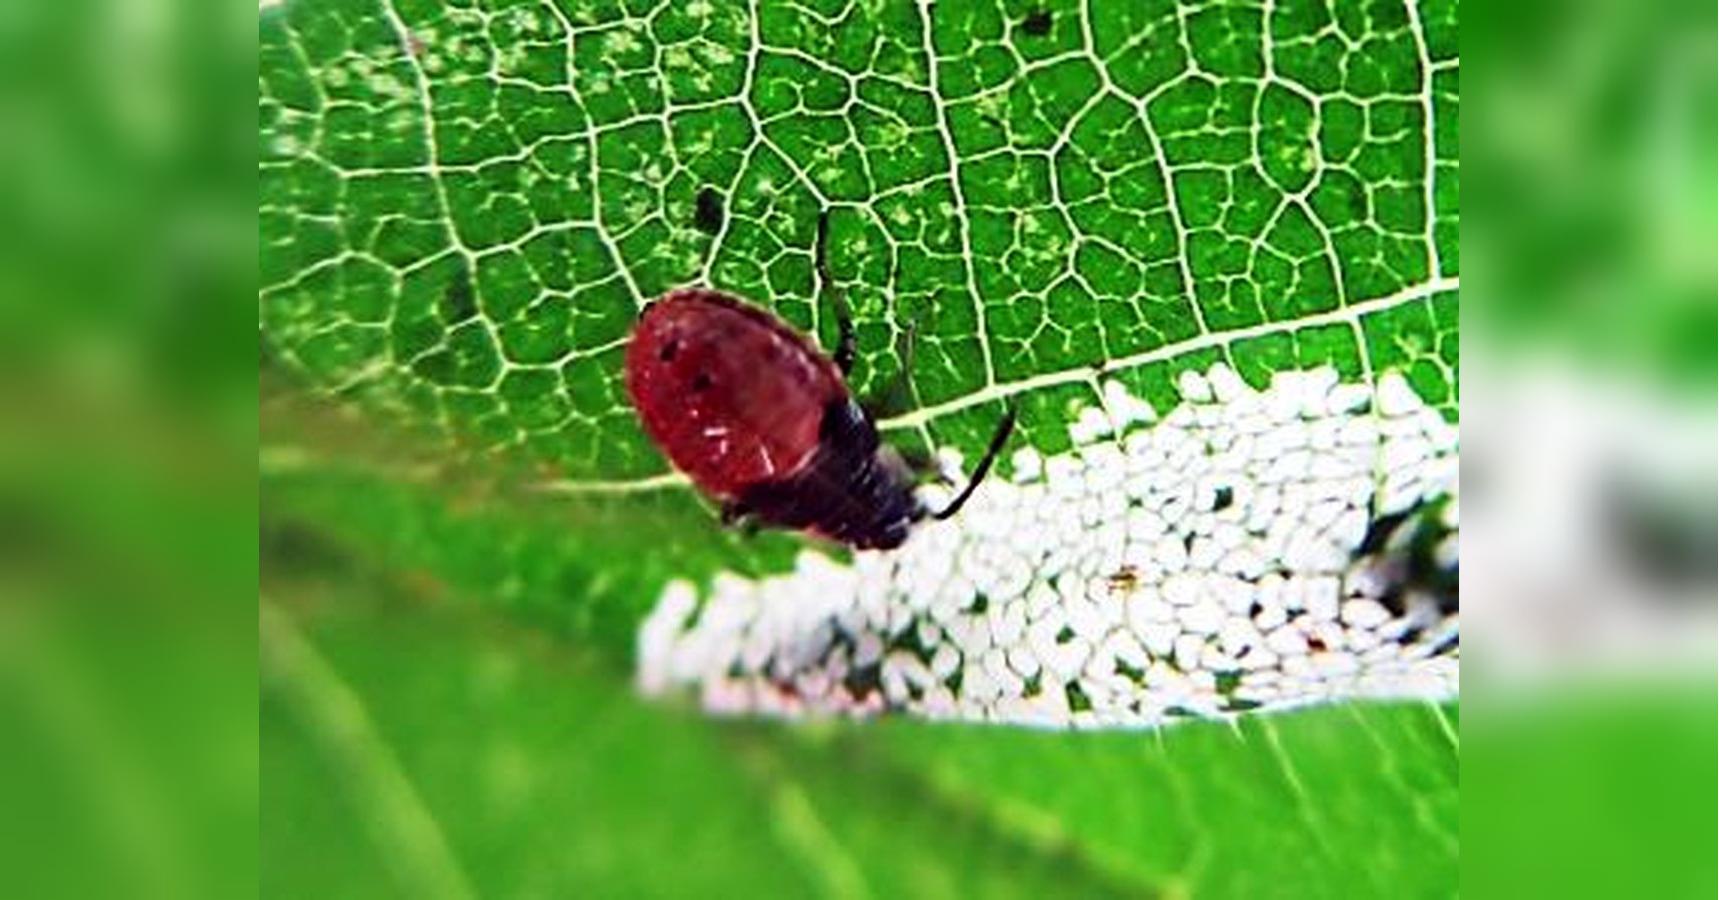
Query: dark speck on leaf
[1355, 202]
[708, 214]
[439, 367]
[1225, 497]
[1037, 23]
[458, 303]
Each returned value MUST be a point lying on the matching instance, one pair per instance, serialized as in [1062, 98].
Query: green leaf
[463, 207]
[524, 752]
[410, 753]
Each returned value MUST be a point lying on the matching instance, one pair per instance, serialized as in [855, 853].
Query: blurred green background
[126, 489]
[1590, 235]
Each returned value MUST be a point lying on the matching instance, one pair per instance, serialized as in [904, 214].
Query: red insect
[761, 420]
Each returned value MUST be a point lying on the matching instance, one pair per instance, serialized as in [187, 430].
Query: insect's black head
[901, 508]
[888, 536]
[886, 484]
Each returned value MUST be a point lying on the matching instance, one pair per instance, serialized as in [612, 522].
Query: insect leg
[737, 516]
[998, 439]
[844, 354]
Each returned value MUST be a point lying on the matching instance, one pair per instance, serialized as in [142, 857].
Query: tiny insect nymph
[762, 421]
[1124, 580]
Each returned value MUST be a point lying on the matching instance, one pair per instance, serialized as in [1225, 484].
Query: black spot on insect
[1065, 635]
[1078, 701]
[700, 382]
[459, 301]
[1037, 23]
[707, 211]
[668, 351]
[1225, 497]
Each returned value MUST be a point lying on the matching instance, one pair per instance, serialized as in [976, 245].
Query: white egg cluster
[1216, 561]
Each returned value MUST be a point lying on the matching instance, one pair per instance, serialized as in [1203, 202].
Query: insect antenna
[998, 439]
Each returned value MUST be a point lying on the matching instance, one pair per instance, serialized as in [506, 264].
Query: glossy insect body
[762, 421]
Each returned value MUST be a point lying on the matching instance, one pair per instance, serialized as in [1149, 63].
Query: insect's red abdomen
[732, 395]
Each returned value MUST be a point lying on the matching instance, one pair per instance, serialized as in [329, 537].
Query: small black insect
[707, 211]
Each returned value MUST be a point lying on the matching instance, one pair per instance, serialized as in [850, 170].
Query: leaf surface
[463, 207]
